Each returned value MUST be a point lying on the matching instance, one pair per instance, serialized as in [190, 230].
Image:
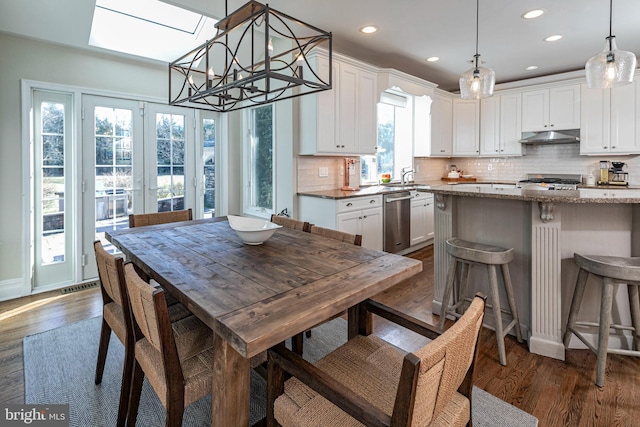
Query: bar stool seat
[473, 253]
[612, 270]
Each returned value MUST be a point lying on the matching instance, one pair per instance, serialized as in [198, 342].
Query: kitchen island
[545, 228]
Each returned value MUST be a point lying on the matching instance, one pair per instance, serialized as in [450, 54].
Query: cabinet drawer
[347, 205]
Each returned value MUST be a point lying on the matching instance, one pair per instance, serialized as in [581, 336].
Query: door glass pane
[113, 172]
[262, 158]
[170, 143]
[52, 183]
[209, 163]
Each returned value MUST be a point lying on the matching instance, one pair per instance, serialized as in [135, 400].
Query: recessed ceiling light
[553, 38]
[432, 59]
[533, 14]
[368, 29]
[531, 67]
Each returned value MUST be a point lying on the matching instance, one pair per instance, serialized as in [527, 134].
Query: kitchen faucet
[406, 171]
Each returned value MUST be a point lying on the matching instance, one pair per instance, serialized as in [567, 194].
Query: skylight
[148, 28]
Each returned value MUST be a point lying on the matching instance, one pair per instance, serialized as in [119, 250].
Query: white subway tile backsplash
[553, 158]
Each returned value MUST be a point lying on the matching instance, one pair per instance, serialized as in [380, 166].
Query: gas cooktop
[551, 181]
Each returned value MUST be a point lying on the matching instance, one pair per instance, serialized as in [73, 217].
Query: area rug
[59, 368]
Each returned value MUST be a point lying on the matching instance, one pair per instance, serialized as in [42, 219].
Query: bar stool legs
[468, 254]
[612, 271]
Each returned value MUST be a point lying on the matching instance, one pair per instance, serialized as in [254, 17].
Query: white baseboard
[11, 289]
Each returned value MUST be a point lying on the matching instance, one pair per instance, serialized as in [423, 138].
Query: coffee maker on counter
[617, 174]
[613, 173]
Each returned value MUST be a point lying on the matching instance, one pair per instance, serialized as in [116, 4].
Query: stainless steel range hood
[551, 137]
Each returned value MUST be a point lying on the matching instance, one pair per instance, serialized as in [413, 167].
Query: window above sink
[395, 139]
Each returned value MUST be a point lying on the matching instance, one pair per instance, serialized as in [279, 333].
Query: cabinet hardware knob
[349, 204]
[552, 125]
[613, 147]
[442, 151]
[372, 201]
[365, 216]
[545, 125]
[605, 147]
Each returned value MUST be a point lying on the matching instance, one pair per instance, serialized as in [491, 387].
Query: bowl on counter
[252, 231]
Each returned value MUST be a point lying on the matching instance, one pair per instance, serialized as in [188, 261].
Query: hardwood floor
[557, 393]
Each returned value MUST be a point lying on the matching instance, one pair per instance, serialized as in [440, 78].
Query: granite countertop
[599, 194]
[608, 194]
[372, 190]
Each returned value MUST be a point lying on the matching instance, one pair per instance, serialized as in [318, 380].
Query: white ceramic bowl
[252, 231]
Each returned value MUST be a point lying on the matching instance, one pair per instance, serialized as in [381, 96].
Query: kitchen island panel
[595, 230]
[545, 228]
[475, 220]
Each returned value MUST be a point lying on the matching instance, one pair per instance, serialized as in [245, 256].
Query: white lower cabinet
[357, 215]
[422, 226]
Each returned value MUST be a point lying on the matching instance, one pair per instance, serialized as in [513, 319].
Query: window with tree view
[395, 140]
[261, 157]
[170, 146]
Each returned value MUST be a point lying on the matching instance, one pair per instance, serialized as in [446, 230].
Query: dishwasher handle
[389, 199]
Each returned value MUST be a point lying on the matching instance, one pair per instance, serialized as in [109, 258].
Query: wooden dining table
[256, 296]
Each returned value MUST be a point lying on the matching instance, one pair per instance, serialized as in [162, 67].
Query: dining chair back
[141, 220]
[116, 317]
[354, 239]
[294, 224]
[175, 357]
[369, 381]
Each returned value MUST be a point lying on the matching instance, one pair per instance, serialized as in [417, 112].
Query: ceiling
[409, 31]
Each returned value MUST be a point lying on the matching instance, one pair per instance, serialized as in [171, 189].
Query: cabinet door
[623, 119]
[422, 136]
[490, 126]
[441, 126]
[595, 126]
[564, 107]
[511, 124]
[466, 122]
[347, 109]
[418, 221]
[535, 110]
[317, 130]
[349, 222]
[371, 228]
[367, 114]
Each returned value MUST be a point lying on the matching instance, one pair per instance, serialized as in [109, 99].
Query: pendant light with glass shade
[611, 67]
[478, 82]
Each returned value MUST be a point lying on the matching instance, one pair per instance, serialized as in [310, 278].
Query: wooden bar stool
[613, 271]
[469, 254]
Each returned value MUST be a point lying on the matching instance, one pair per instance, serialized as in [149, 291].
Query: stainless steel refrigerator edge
[397, 221]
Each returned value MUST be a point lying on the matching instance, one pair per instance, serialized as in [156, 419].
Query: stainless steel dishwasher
[397, 221]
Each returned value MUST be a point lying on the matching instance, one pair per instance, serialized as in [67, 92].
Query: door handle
[397, 199]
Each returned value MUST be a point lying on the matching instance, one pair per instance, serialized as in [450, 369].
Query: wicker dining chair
[297, 341]
[116, 317]
[354, 239]
[369, 381]
[155, 218]
[294, 224]
[175, 357]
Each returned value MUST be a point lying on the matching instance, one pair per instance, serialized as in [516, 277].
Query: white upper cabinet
[610, 120]
[466, 125]
[341, 121]
[490, 126]
[501, 125]
[510, 124]
[555, 108]
[441, 126]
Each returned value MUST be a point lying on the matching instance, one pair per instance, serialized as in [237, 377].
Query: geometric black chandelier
[258, 56]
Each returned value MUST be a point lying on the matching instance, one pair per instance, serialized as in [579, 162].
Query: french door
[138, 157]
